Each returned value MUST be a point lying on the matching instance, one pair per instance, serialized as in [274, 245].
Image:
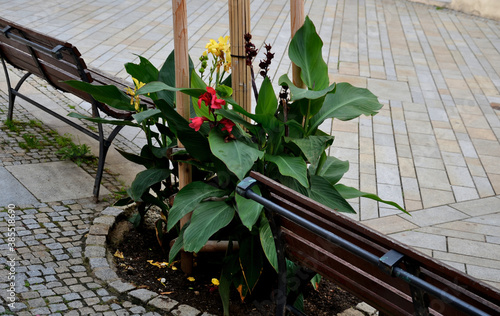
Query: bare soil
[140, 246]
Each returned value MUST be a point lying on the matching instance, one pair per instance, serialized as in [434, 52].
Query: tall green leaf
[346, 103]
[178, 244]
[167, 76]
[251, 261]
[102, 120]
[299, 93]
[197, 82]
[107, 94]
[351, 193]
[224, 291]
[144, 71]
[267, 242]
[195, 143]
[237, 155]
[145, 179]
[207, 219]
[333, 169]
[248, 210]
[156, 86]
[188, 198]
[267, 102]
[305, 52]
[323, 192]
[294, 167]
[147, 162]
[141, 116]
[313, 146]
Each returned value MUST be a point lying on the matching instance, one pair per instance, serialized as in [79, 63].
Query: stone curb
[97, 255]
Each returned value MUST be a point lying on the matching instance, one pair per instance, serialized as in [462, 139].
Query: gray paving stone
[163, 303]
[95, 252]
[434, 215]
[426, 119]
[474, 248]
[185, 310]
[138, 310]
[105, 274]
[422, 240]
[121, 286]
[143, 294]
[112, 211]
[58, 187]
[71, 296]
[13, 191]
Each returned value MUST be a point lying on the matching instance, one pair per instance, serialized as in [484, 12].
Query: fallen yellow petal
[215, 282]
[191, 279]
[118, 254]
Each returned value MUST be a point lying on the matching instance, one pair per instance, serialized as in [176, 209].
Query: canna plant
[223, 143]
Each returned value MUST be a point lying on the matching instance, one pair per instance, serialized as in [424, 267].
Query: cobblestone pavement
[433, 148]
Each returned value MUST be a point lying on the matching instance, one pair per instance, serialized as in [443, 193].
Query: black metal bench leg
[12, 96]
[104, 145]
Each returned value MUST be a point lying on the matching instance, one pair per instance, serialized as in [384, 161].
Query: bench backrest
[46, 57]
[386, 293]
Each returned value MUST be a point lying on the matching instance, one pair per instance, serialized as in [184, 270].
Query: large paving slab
[55, 181]
[12, 191]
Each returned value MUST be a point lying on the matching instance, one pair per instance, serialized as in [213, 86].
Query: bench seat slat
[350, 277]
[341, 230]
[54, 73]
[67, 63]
[323, 256]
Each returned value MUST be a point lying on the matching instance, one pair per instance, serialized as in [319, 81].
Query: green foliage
[31, 141]
[12, 125]
[77, 153]
[223, 143]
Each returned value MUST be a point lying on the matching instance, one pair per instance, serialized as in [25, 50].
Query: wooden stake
[297, 18]
[182, 101]
[239, 25]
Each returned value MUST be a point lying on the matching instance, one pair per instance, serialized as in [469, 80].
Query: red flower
[210, 99]
[196, 122]
[228, 125]
[206, 97]
[217, 104]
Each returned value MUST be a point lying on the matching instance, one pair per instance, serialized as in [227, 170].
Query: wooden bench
[384, 273]
[55, 62]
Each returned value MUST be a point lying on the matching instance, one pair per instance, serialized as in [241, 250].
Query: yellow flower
[213, 47]
[135, 99]
[215, 282]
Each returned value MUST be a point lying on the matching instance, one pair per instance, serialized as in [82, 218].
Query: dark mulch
[140, 246]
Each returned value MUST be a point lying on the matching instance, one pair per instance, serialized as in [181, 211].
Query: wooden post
[182, 101]
[297, 18]
[239, 25]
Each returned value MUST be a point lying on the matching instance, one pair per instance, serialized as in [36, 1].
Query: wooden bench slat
[342, 231]
[360, 277]
[36, 37]
[14, 54]
[353, 279]
[329, 248]
[55, 61]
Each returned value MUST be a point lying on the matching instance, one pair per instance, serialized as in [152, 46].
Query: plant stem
[148, 132]
[321, 162]
[306, 122]
[285, 116]
[254, 85]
